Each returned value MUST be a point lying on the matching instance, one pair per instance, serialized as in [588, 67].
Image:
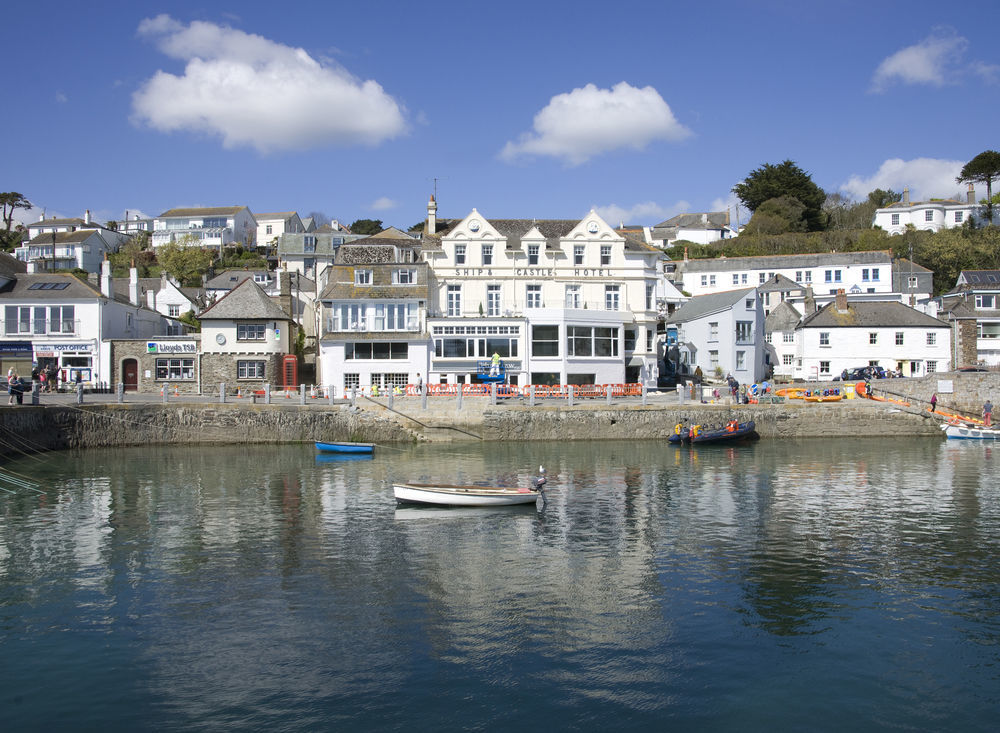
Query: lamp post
[53, 250]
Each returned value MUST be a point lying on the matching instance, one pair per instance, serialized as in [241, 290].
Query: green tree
[845, 213]
[785, 179]
[366, 226]
[184, 262]
[777, 216]
[135, 252]
[983, 169]
[11, 201]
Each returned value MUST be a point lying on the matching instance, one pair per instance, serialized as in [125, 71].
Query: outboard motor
[539, 481]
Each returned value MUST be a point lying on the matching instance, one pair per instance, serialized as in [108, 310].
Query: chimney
[285, 292]
[106, 279]
[970, 197]
[809, 302]
[41, 217]
[432, 210]
[685, 254]
[704, 218]
[906, 197]
[133, 285]
[86, 217]
[841, 301]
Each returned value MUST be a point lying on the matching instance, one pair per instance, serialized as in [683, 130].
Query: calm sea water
[848, 585]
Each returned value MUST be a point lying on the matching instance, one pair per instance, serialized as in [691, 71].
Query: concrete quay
[59, 422]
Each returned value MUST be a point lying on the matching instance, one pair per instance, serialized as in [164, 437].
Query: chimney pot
[906, 197]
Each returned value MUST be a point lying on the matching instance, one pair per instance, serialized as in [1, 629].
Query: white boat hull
[965, 432]
[462, 495]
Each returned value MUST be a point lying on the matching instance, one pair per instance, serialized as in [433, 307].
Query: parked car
[868, 372]
[973, 369]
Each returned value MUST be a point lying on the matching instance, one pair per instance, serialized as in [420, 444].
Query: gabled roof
[10, 266]
[957, 309]
[870, 315]
[209, 211]
[780, 284]
[245, 301]
[783, 317]
[703, 305]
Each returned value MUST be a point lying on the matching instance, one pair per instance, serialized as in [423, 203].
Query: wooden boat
[727, 434]
[345, 447]
[961, 431]
[457, 495]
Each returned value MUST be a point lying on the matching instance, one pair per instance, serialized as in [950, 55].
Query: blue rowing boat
[345, 447]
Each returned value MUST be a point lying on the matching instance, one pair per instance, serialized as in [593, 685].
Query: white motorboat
[455, 495]
[970, 432]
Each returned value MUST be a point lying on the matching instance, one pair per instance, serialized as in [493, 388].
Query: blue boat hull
[345, 447]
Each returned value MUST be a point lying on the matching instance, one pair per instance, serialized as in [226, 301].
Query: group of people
[47, 378]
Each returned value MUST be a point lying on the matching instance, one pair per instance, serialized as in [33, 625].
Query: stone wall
[216, 368]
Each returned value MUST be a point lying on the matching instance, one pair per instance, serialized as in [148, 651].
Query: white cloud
[254, 92]
[925, 177]
[61, 98]
[648, 213]
[382, 204]
[590, 121]
[937, 60]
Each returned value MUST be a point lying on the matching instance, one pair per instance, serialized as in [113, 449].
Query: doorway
[130, 375]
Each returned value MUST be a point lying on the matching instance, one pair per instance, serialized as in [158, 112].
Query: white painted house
[700, 228]
[931, 216]
[219, 226]
[59, 319]
[271, 226]
[846, 334]
[723, 333]
[373, 327]
[872, 275]
[66, 244]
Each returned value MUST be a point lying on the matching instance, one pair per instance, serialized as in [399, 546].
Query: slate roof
[957, 309]
[342, 286]
[275, 215]
[81, 235]
[783, 317]
[987, 278]
[229, 279]
[780, 284]
[774, 262]
[703, 305]
[209, 211]
[10, 265]
[71, 222]
[245, 301]
[870, 315]
[75, 288]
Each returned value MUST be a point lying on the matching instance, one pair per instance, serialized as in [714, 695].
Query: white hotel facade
[561, 301]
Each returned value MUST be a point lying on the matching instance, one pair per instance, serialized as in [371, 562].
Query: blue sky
[538, 109]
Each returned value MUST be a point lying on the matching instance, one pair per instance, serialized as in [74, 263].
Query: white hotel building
[561, 301]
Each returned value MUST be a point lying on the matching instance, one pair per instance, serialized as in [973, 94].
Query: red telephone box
[290, 371]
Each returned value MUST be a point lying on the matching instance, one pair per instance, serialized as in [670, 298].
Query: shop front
[73, 361]
[16, 355]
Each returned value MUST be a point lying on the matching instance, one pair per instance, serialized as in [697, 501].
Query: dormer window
[308, 243]
[362, 277]
[532, 254]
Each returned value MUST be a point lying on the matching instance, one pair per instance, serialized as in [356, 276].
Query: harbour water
[811, 585]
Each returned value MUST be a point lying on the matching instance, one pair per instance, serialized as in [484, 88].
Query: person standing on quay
[988, 413]
[934, 402]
